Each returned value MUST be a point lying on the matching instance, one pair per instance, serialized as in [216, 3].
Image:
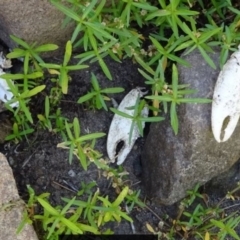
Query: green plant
[104, 31]
[166, 53]
[63, 69]
[176, 96]
[107, 211]
[45, 121]
[21, 98]
[87, 19]
[27, 85]
[77, 144]
[17, 134]
[198, 39]
[30, 53]
[153, 34]
[58, 220]
[55, 122]
[203, 221]
[137, 118]
[59, 126]
[173, 13]
[77, 216]
[196, 219]
[96, 96]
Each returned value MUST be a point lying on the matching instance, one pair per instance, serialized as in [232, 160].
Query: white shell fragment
[226, 99]
[120, 128]
[5, 94]
[4, 63]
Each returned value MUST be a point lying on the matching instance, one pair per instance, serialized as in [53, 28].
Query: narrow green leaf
[35, 75]
[46, 48]
[161, 98]
[145, 6]
[207, 58]
[26, 63]
[98, 10]
[16, 53]
[158, 13]
[76, 67]
[123, 114]
[120, 197]
[89, 8]
[143, 64]
[104, 68]
[76, 32]
[76, 128]
[87, 228]
[86, 97]
[102, 102]
[50, 65]
[35, 90]
[70, 13]
[69, 133]
[20, 42]
[112, 90]
[195, 100]
[72, 226]
[174, 81]
[47, 107]
[82, 157]
[68, 53]
[151, 119]
[94, 82]
[90, 136]
[47, 207]
[64, 80]
[146, 76]
[174, 118]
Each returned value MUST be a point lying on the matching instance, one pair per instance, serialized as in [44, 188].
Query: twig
[62, 186]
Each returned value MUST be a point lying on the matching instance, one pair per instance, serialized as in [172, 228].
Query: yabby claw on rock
[226, 99]
[120, 128]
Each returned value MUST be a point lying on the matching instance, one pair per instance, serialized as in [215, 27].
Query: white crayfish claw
[5, 94]
[226, 99]
[120, 128]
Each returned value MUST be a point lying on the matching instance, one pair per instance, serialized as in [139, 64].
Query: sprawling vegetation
[154, 34]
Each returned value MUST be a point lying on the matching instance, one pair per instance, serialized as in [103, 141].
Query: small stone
[71, 173]
[11, 161]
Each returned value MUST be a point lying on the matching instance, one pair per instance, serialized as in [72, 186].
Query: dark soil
[38, 162]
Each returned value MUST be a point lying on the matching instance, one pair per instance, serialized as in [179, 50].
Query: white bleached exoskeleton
[5, 94]
[226, 99]
[120, 128]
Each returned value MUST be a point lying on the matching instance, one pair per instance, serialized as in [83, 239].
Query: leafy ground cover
[58, 139]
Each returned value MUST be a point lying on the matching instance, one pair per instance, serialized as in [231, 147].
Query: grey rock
[225, 182]
[11, 206]
[174, 164]
[33, 21]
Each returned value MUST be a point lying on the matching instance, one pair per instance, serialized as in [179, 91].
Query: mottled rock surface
[174, 164]
[33, 21]
[11, 206]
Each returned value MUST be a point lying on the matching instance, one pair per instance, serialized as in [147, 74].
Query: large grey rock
[11, 206]
[174, 164]
[33, 21]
